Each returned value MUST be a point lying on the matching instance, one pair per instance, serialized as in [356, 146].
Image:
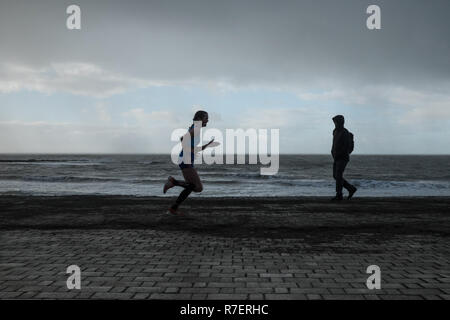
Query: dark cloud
[275, 43]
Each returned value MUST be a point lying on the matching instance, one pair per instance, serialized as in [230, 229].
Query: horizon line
[247, 154]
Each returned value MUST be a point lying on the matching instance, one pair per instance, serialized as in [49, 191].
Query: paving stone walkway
[141, 263]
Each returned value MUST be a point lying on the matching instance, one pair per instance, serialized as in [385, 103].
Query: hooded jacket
[340, 147]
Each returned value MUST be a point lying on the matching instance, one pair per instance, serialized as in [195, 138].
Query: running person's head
[201, 116]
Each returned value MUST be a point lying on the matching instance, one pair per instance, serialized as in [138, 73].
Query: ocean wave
[146, 181]
[76, 162]
[222, 182]
[307, 183]
[59, 179]
[43, 160]
[153, 162]
[238, 178]
[371, 184]
[420, 184]
[257, 176]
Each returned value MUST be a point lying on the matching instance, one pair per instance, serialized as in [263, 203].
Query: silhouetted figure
[342, 147]
[192, 180]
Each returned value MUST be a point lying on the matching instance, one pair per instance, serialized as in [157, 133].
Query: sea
[144, 175]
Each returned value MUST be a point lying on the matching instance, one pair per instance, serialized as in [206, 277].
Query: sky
[138, 70]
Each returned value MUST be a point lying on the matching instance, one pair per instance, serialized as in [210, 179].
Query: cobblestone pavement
[146, 263]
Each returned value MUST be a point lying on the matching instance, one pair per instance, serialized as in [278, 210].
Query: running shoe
[171, 211]
[169, 184]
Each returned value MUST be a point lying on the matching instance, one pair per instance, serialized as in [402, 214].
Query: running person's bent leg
[192, 182]
[183, 195]
[172, 182]
[191, 177]
[179, 183]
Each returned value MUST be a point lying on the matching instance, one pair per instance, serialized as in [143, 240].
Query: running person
[191, 179]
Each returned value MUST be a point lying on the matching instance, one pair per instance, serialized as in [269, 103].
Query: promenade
[224, 248]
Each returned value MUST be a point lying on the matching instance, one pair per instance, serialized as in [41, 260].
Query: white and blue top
[194, 142]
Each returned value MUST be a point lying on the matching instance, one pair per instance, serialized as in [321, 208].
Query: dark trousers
[338, 175]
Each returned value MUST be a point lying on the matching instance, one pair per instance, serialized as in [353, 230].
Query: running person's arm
[191, 131]
[206, 145]
[196, 149]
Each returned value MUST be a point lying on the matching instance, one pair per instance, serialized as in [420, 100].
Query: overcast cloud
[244, 42]
[321, 51]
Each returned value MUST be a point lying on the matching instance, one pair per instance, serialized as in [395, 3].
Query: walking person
[343, 145]
[186, 158]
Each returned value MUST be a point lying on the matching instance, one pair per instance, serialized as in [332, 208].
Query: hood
[339, 121]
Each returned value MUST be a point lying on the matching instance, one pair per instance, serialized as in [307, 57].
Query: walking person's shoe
[169, 184]
[351, 192]
[337, 198]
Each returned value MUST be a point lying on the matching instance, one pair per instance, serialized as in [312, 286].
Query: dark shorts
[184, 166]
